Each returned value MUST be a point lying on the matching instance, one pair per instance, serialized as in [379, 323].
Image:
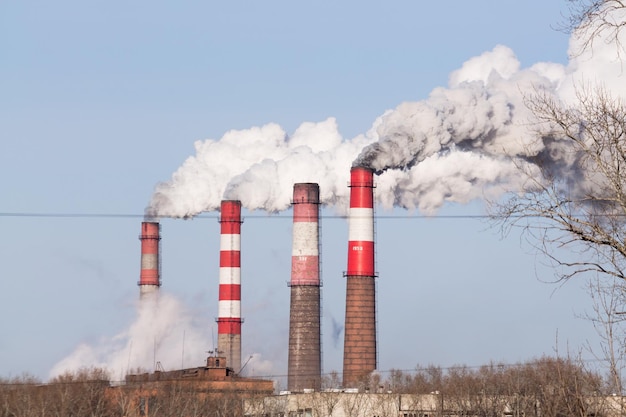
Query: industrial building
[352, 403]
[215, 385]
[345, 403]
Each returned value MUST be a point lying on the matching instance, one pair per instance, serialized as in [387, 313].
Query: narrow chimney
[359, 354]
[229, 317]
[150, 275]
[304, 364]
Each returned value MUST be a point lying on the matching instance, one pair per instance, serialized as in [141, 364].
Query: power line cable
[216, 216]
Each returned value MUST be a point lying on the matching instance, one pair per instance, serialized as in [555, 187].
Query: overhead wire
[216, 216]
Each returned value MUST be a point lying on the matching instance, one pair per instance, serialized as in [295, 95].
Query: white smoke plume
[259, 167]
[463, 142]
[164, 331]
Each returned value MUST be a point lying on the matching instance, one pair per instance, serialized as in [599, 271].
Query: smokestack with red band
[229, 318]
[150, 276]
[359, 354]
[305, 359]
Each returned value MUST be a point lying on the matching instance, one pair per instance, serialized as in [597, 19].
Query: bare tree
[547, 387]
[385, 404]
[608, 298]
[23, 396]
[354, 404]
[331, 380]
[80, 393]
[579, 201]
[575, 211]
[588, 19]
[324, 402]
[122, 400]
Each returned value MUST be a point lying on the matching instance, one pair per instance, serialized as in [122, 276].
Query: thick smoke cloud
[259, 167]
[463, 142]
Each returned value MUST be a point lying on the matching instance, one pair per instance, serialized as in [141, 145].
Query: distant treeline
[561, 386]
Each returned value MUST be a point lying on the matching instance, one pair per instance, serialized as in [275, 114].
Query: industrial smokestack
[359, 349]
[305, 358]
[229, 318]
[150, 275]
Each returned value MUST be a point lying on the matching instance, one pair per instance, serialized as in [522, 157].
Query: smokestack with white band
[304, 364]
[150, 275]
[229, 319]
[359, 354]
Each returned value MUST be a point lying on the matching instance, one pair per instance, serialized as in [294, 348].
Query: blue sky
[103, 100]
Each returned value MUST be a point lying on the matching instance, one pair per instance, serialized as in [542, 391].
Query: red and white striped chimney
[305, 359]
[359, 355]
[150, 275]
[229, 306]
